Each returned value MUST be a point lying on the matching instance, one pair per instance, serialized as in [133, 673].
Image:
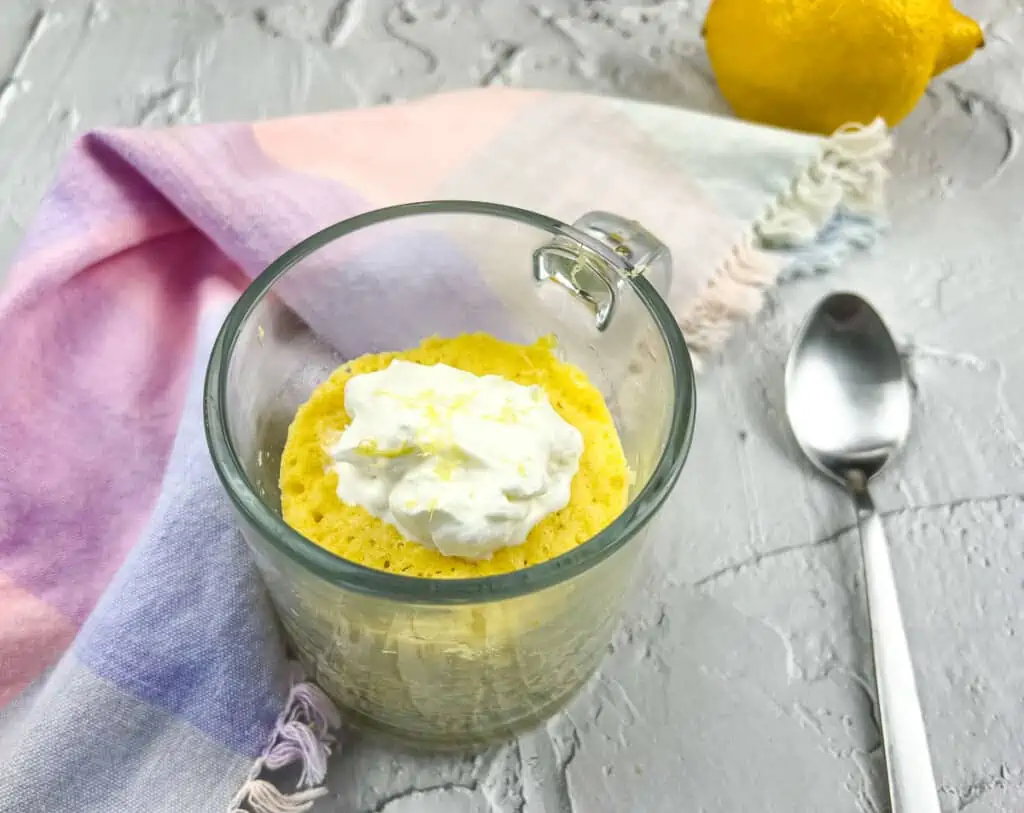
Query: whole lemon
[818, 64]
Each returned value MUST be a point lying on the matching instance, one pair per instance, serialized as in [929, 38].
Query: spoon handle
[908, 764]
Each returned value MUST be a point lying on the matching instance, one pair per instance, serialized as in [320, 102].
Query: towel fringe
[302, 734]
[734, 292]
[849, 175]
[263, 797]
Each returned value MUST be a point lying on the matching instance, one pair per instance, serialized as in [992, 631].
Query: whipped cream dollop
[462, 463]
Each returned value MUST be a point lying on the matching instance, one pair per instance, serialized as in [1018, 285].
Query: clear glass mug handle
[589, 277]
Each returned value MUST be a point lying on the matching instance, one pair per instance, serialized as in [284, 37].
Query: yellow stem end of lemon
[962, 38]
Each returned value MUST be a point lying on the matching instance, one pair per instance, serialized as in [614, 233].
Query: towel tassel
[303, 734]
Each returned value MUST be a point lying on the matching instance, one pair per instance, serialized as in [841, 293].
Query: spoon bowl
[847, 395]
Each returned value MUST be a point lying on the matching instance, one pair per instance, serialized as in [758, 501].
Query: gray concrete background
[741, 679]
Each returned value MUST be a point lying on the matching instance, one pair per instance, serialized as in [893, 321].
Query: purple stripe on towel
[186, 624]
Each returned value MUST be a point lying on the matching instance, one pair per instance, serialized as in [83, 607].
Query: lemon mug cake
[448, 532]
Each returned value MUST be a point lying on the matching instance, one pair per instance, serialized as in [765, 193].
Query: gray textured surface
[741, 681]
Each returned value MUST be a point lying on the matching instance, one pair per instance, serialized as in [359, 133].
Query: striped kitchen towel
[141, 666]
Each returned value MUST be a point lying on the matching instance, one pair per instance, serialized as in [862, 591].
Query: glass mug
[451, 662]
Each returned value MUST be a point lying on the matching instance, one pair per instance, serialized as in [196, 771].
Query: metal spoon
[848, 403]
